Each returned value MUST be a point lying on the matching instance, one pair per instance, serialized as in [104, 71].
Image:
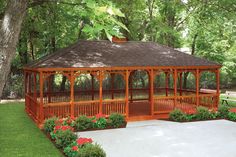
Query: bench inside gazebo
[142, 80]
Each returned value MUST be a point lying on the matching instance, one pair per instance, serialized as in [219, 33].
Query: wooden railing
[208, 100]
[186, 103]
[32, 107]
[61, 109]
[111, 106]
[88, 108]
[58, 104]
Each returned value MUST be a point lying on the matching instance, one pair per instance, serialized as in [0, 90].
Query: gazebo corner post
[127, 73]
[41, 114]
[175, 87]
[197, 86]
[152, 91]
[26, 90]
[72, 104]
[217, 73]
[100, 91]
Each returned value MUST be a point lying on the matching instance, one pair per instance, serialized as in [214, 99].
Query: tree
[96, 20]
[10, 27]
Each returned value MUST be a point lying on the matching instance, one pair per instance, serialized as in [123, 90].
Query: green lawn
[231, 103]
[19, 136]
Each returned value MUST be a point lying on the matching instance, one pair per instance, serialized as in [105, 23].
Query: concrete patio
[156, 138]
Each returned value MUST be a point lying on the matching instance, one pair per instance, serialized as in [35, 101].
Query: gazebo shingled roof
[128, 54]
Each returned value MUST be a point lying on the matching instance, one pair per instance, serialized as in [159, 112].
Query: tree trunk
[10, 27]
[192, 53]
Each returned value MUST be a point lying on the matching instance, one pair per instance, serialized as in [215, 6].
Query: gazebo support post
[49, 88]
[72, 105]
[180, 83]
[41, 115]
[175, 87]
[100, 91]
[217, 86]
[112, 85]
[167, 82]
[197, 87]
[152, 91]
[26, 89]
[92, 84]
[131, 86]
[127, 93]
[30, 83]
[35, 87]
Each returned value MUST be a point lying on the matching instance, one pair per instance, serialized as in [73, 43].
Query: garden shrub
[99, 121]
[223, 111]
[116, 120]
[64, 138]
[177, 115]
[49, 124]
[83, 123]
[91, 150]
[231, 116]
[203, 113]
[190, 117]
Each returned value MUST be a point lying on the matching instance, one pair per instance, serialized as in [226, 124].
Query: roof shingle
[106, 54]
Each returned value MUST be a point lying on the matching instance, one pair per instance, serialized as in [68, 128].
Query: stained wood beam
[72, 105]
[41, 114]
[217, 86]
[127, 92]
[152, 91]
[197, 86]
[175, 87]
[100, 91]
[167, 82]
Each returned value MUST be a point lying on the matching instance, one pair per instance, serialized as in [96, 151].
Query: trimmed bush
[64, 138]
[203, 113]
[231, 116]
[190, 117]
[177, 115]
[116, 120]
[49, 124]
[90, 150]
[100, 123]
[83, 123]
[223, 111]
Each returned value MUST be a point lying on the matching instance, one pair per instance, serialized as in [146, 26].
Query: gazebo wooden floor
[139, 108]
[143, 108]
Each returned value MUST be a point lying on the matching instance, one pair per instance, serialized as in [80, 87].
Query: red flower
[63, 128]
[94, 121]
[82, 141]
[75, 148]
[100, 116]
[57, 127]
[61, 121]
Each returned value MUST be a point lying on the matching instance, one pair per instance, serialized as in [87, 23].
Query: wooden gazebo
[99, 60]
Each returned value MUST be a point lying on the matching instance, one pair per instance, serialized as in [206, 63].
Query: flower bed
[202, 113]
[61, 132]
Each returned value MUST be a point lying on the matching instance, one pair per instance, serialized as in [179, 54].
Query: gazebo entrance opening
[139, 93]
